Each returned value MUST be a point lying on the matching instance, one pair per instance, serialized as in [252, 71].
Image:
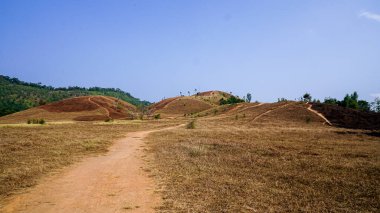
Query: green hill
[16, 95]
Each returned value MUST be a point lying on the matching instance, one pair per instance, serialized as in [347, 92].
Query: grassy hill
[16, 95]
[84, 108]
[181, 105]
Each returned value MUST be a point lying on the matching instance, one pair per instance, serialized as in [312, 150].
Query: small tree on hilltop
[376, 105]
[364, 105]
[351, 101]
[249, 97]
[306, 97]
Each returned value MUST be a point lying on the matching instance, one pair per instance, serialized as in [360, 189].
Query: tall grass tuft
[191, 125]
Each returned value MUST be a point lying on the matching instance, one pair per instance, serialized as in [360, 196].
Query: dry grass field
[248, 157]
[223, 167]
[28, 152]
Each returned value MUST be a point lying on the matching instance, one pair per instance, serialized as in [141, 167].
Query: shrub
[36, 121]
[191, 125]
[108, 120]
[157, 116]
[308, 119]
[230, 100]
[249, 97]
[306, 97]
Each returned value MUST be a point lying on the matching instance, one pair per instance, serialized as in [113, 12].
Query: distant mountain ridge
[17, 95]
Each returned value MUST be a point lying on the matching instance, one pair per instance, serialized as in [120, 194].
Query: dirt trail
[269, 111]
[319, 114]
[105, 109]
[257, 105]
[114, 182]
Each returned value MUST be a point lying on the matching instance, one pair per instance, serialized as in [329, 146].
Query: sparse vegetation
[108, 120]
[191, 125]
[216, 168]
[36, 121]
[281, 100]
[230, 100]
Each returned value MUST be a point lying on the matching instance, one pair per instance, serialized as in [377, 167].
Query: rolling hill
[184, 105]
[84, 108]
[16, 95]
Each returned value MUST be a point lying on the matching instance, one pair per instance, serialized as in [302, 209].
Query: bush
[36, 121]
[108, 120]
[230, 100]
[158, 116]
[306, 97]
[191, 125]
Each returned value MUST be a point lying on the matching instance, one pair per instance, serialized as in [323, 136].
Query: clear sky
[155, 49]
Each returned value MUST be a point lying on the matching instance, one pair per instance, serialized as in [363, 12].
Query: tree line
[349, 101]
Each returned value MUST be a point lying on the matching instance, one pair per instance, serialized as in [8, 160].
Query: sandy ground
[114, 182]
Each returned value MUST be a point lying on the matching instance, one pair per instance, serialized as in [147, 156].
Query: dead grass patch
[219, 168]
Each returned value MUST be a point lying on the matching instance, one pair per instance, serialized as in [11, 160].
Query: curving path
[100, 106]
[319, 114]
[114, 182]
[269, 111]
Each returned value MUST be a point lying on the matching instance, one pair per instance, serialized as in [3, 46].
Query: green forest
[16, 95]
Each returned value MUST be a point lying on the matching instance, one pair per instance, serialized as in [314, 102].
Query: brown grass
[28, 152]
[188, 104]
[184, 105]
[78, 109]
[222, 167]
[238, 159]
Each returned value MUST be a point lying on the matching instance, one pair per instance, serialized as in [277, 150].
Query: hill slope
[85, 108]
[349, 118]
[181, 105]
[16, 95]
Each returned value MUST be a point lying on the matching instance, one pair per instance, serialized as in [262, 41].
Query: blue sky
[155, 49]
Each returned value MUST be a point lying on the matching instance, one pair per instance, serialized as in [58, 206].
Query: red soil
[78, 104]
[112, 107]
